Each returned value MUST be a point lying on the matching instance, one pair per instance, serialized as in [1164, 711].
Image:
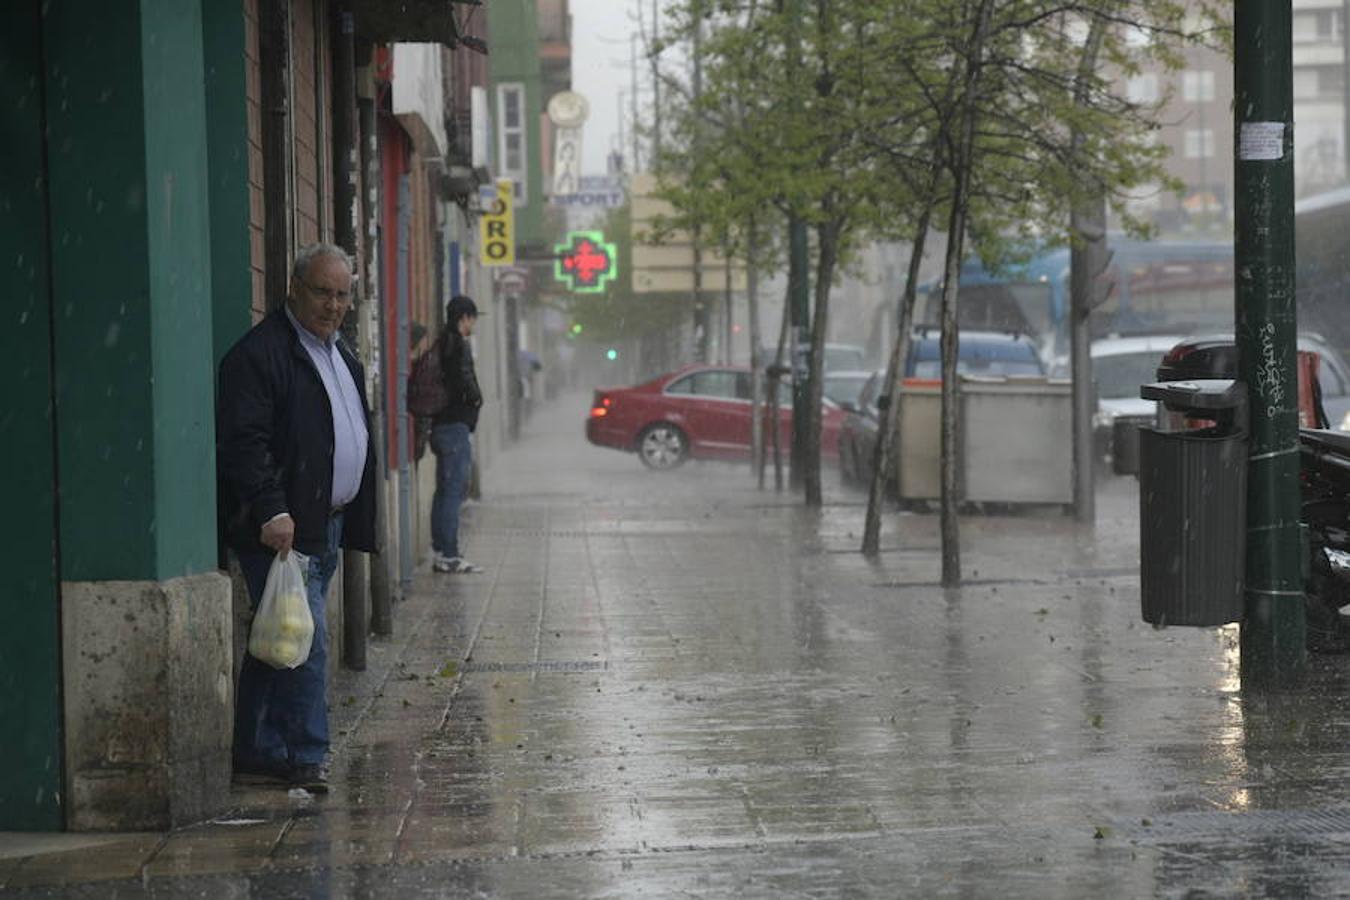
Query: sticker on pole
[1261, 141]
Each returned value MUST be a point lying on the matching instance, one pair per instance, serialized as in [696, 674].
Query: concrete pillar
[146, 618]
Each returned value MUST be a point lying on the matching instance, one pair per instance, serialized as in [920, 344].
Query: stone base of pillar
[148, 702]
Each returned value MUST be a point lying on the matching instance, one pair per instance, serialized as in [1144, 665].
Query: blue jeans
[281, 715]
[454, 456]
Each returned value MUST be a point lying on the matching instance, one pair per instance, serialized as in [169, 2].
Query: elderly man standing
[295, 472]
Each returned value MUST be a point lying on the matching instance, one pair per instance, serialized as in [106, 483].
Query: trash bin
[1191, 360]
[1125, 443]
[1193, 505]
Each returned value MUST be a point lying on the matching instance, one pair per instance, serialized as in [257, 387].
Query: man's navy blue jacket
[274, 443]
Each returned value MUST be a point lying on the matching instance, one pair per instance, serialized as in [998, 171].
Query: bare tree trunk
[961, 159]
[756, 363]
[772, 400]
[1088, 259]
[828, 238]
[895, 376]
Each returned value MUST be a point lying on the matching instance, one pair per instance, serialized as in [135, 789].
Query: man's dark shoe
[262, 774]
[311, 777]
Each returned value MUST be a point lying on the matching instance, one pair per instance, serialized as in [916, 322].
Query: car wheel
[662, 446]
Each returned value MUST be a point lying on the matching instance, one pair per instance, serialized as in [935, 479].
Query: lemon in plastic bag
[283, 628]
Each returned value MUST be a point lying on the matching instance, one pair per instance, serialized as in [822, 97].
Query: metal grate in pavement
[1265, 823]
[970, 582]
[999, 582]
[548, 665]
[1117, 572]
[537, 532]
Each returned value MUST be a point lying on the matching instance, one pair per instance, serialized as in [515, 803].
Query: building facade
[168, 160]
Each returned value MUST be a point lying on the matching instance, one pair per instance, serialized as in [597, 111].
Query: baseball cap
[460, 306]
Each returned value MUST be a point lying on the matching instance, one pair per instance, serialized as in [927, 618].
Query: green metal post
[1267, 335]
[799, 287]
[799, 294]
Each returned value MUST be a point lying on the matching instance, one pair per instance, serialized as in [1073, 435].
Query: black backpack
[427, 397]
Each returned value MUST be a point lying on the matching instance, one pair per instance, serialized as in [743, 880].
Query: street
[677, 685]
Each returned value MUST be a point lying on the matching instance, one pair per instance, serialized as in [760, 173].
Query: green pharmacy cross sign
[585, 263]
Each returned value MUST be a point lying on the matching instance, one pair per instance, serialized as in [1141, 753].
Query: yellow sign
[497, 228]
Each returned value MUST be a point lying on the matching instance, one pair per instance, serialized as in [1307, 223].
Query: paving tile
[768, 714]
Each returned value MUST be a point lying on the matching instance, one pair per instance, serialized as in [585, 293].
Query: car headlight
[1345, 422]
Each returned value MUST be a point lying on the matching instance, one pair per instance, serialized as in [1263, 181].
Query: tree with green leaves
[773, 133]
[1031, 130]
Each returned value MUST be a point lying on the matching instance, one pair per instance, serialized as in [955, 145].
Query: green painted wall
[131, 288]
[223, 45]
[180, 286]
[30, 661]
[513, 37]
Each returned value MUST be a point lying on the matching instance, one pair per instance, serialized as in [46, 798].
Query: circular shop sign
[568, 109]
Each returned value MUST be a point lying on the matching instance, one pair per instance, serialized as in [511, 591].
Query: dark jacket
[274, 442]
[461, 384]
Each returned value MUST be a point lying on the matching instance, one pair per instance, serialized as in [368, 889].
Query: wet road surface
[676, 685]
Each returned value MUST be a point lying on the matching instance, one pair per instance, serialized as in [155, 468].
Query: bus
[1322, 265]
[1180, 287]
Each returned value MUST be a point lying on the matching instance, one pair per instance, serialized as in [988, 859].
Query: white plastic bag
[283, 628]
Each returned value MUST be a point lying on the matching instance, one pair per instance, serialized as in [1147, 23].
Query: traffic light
[576, 329]
[611, 354]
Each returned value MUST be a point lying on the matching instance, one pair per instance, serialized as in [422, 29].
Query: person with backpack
[454, 417]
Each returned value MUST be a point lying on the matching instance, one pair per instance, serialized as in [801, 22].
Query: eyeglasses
[341, 298]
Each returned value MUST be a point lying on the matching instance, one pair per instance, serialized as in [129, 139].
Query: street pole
[656, 83]
[1345, 91]
[346, 178]
[799, 297]
[702, 316]
[1267, 336]
[371, 331]
[633, 73]
[513, 415]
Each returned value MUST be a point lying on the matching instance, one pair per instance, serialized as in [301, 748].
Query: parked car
[844, 358]
[698, 412]
[979, 353]
[844, 388]
[858, 432]
[988, 353]
[1119, 366]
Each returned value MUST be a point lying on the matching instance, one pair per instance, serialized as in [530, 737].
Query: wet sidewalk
[676, 685]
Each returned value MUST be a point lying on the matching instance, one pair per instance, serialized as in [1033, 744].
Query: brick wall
[304, 123]
[420, 251]
[253, 88]
[311, 130]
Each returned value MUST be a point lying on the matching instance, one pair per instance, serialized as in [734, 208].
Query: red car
[699, 411]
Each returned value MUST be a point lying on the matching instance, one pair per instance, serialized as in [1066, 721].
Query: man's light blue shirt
[350, 438]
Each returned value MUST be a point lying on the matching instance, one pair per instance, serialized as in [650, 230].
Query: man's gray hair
[311, 252]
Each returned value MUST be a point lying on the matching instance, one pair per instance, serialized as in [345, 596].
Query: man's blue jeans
[281, 715]
[454, 455]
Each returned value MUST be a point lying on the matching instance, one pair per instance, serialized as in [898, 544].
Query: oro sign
[497, 228]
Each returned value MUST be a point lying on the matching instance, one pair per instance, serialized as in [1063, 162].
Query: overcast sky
[601, 31]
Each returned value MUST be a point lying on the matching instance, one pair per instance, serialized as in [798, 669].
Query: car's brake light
[599, 412]
[1178, 353]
